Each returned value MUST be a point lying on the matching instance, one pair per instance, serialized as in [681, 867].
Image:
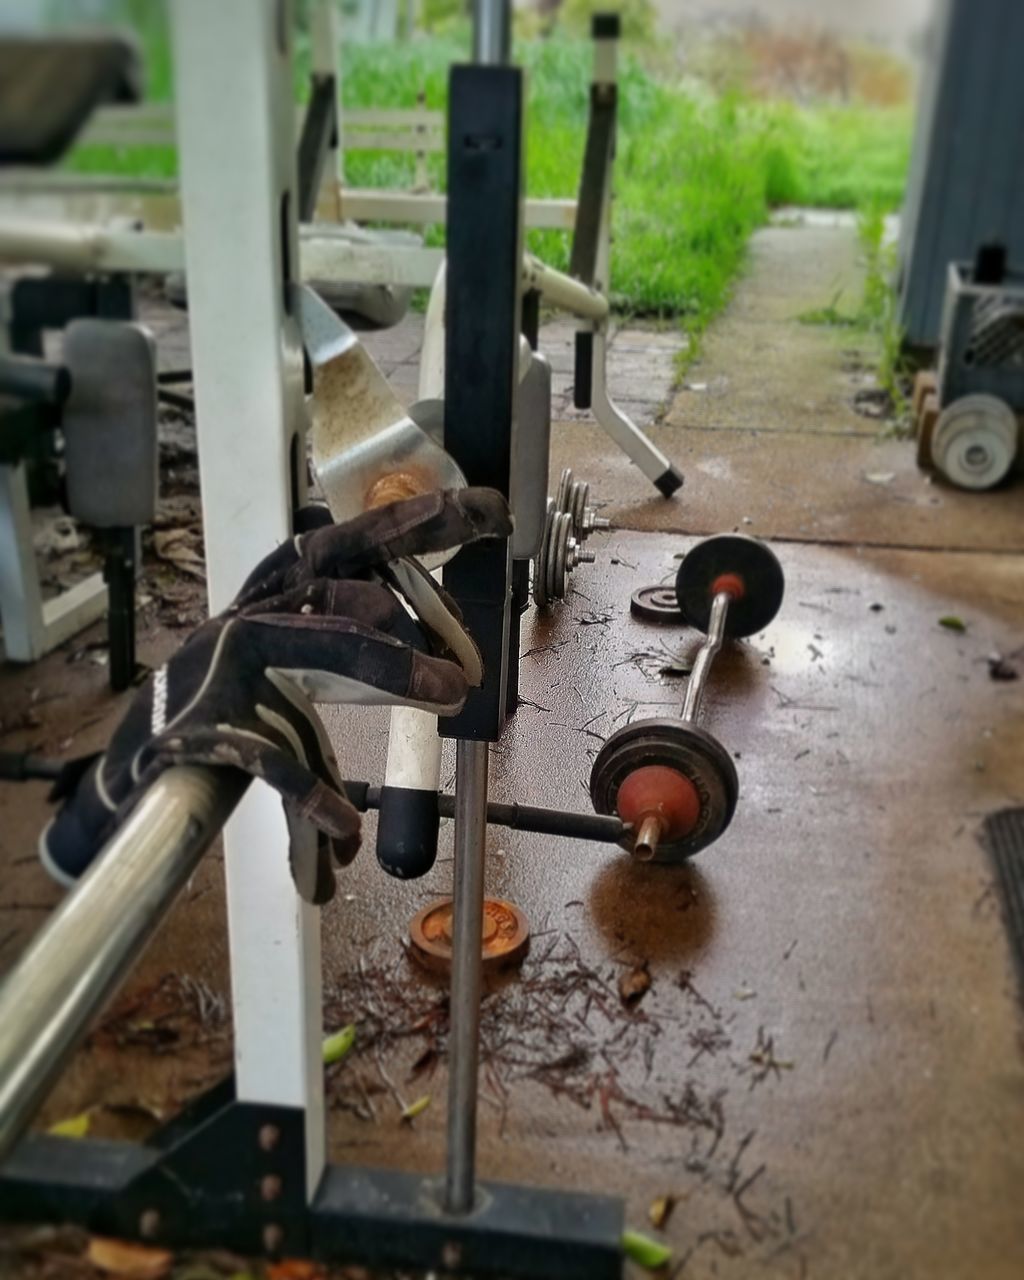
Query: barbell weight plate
[731, 555]
[541, 594]
[656, 603]
[975, 441]
[564, 488]
[505, 936]
[679, 745]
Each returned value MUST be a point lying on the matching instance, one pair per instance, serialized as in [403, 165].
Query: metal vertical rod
[119, 573]
[492, 31]
[698, 680]
[467, 967]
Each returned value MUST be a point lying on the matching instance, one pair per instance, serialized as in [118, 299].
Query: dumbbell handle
[697, 683]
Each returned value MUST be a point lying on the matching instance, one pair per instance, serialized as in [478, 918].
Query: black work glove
[319, 620]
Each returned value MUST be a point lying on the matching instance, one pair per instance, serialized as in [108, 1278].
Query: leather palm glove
[339, 614]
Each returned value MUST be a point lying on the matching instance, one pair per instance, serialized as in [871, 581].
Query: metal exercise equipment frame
[155, 202]
[408, 824]
[244, 1167]
[32, 625]
[331, 252]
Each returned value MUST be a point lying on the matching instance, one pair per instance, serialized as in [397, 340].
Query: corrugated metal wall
[966, 183]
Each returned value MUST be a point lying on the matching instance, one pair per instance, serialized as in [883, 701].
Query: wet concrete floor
[826, 1071]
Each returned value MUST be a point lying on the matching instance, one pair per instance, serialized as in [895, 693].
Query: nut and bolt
[451, 1255]
[149, 1223]
[269, 1136]
[273, 1238]
[574, 499]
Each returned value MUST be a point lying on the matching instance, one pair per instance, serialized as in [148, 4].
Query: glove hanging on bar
[340, 614]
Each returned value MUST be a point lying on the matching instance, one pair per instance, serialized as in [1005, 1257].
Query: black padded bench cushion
[49, 86]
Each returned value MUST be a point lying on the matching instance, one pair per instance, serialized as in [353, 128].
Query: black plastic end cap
[606, 26]
[669, 481]
[407, 832]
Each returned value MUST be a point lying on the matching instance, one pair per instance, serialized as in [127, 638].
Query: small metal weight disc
[694, 752]
[656, 603]
[542, 565]
[975, 441]
[735, 555]
[506, 934]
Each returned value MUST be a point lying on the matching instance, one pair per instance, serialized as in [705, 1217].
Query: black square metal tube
[485, 214]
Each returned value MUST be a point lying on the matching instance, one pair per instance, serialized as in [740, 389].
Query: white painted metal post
[235, 123]
[33, 626]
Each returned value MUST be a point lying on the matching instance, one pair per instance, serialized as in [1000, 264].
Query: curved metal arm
[84, 950]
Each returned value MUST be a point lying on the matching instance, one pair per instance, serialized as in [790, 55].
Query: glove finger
[429, 522]
[338, 660]
[310, 517]
[308, 799]
[435, 610]
[369, 603]
[309, 859]
[81, 827]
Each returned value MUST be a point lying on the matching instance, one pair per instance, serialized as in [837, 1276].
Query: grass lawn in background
[696, 172]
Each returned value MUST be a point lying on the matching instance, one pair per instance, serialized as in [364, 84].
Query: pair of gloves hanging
[342, 613]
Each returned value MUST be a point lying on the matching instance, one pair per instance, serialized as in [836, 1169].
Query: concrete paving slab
[826, 1070]
[759, 367]
[827, 488]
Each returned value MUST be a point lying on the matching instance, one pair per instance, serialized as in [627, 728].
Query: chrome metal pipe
[85, 949]
[492, 31]
[697, 682]
[467, 967]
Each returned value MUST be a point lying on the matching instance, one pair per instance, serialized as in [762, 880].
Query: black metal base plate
[201, 1188]
[387, 1219]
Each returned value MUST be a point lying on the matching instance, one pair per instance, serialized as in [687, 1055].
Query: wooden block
[926, 420]
[925, 382]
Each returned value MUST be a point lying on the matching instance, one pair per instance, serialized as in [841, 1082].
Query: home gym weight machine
[101, 395]
[244, 1166]
[345, 257]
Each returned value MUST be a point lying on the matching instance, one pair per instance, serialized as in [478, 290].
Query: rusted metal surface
[506, 934]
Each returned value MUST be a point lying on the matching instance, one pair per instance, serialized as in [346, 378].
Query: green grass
[695, 174]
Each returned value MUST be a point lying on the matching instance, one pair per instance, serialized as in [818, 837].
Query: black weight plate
[749, 559]
[694, 752]
[657, 603]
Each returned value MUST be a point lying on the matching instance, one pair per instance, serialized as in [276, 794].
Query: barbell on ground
[670, 780]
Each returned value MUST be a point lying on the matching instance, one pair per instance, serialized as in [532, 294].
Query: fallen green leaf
[416, 1108]
[338, 1045]
[953, 623]
[74, 1127]
[660, 1211]
[645, 1252]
